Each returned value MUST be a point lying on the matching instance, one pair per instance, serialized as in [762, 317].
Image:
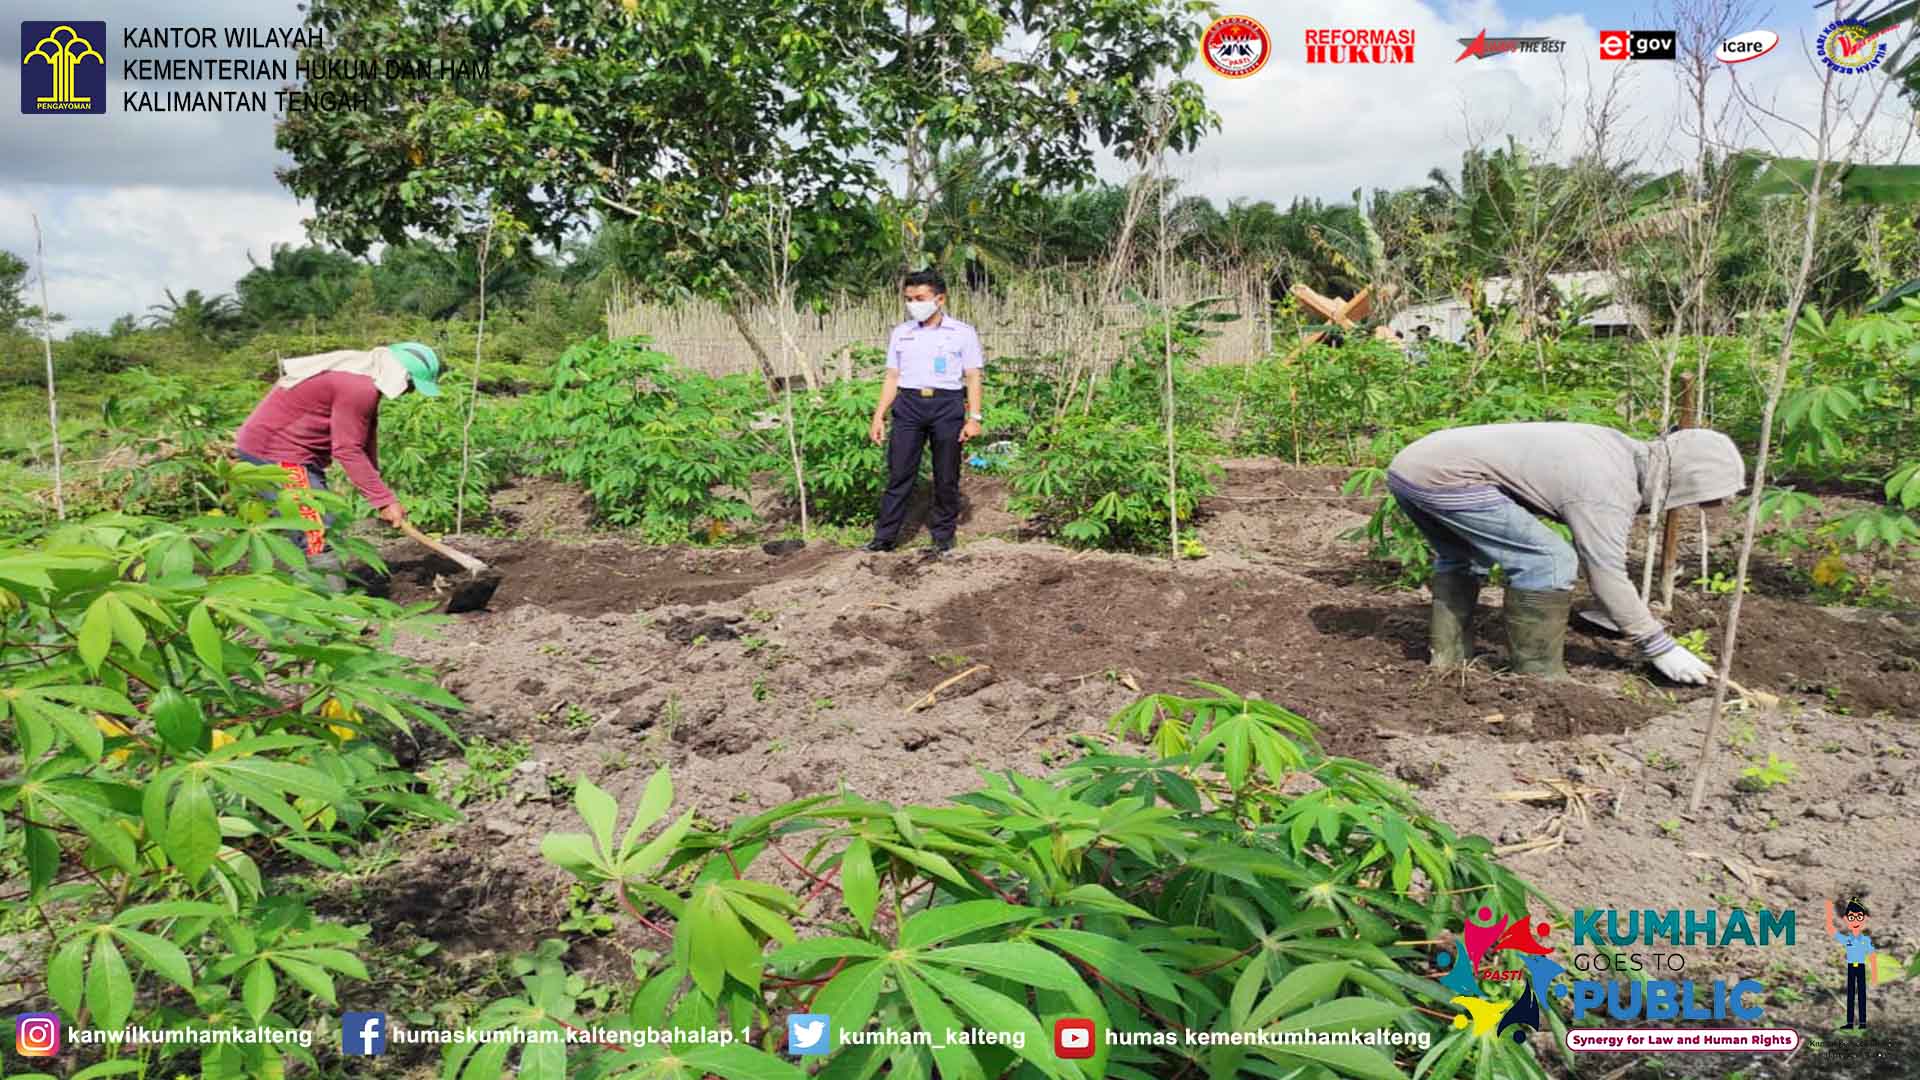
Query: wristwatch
[976, 417]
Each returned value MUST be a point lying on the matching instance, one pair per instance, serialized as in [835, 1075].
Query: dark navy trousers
[917, 421]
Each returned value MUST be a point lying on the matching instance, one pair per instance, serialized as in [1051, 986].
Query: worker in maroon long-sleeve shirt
[326, 408]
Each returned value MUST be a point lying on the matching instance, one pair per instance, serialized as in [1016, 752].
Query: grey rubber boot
[327, 564]
[1450, 633]
[1537, 631]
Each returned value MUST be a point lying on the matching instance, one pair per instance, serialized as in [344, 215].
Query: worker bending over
[1474, 492]
[326, 408]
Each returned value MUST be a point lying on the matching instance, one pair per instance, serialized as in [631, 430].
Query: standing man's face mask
[921, 310]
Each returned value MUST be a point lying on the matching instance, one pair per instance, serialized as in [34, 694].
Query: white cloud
[1295, 129]
[143, 203]
[114, 251]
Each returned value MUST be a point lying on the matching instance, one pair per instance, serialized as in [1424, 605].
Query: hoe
[470, 593]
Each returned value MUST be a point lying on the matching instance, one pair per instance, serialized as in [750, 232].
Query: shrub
[184, 713]
[846, 473]
[1180, 890]
[420, 453]
[654, 444]
[1099, 482]
[177, 434]
[1135, 389]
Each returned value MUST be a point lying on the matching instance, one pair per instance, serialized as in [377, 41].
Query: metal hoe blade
[472, 592]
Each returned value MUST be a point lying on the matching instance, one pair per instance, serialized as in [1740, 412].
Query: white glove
[1680, 665]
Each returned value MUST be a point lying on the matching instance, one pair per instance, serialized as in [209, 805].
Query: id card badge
[940, 365]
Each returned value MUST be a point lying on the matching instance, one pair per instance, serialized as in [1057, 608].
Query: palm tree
[296, 283]
[440, 281]
[194, 314]
[971, 217]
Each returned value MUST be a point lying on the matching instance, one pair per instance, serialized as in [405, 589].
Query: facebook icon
[363, 1034]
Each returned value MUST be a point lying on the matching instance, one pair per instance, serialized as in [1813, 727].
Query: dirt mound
[1352, 662]
[760, 678]
[590, 579]
[1861, 666]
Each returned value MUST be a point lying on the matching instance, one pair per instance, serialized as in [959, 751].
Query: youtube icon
[1637, 44]
[1073, 1038]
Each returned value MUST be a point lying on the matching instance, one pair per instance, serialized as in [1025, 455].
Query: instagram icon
[36, 1034]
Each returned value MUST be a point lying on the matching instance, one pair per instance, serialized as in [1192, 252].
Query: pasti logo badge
[1236, 46]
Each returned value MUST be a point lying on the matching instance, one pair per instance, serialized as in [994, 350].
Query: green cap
[422, 365]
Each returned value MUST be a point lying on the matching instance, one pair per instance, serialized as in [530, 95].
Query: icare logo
[36, 1034]
[1637, 44]
[1751, 45]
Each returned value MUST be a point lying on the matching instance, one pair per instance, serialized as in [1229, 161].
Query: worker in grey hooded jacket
[1474, 492]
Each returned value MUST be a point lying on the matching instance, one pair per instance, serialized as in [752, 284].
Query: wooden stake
[473, 402]
[1670, 529]
[53, 399]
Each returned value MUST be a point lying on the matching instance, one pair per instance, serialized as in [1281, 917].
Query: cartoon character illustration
[1863, 964]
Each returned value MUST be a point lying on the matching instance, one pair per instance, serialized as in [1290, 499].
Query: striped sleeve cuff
[1658, 643]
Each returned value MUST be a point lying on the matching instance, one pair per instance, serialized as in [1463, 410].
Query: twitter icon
[809, 1033]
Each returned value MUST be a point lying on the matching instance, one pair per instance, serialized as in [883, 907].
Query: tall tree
[13, 278]
[15, 312]
[673, 111]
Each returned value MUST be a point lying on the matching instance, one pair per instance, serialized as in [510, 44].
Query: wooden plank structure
[1341, 313]
[1345, 314]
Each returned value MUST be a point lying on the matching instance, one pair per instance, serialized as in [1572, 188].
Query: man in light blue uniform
[1862, 961]
[932, 391]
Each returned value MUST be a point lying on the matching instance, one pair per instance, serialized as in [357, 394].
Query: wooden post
[1670, 528]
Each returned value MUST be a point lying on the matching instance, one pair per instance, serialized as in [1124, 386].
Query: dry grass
[1029, 319]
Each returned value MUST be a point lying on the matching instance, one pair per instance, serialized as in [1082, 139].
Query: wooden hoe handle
[468, 562]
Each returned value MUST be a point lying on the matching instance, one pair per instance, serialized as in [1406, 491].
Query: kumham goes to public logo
[61, 69]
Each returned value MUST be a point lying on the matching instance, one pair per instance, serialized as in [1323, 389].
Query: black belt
[930, 391]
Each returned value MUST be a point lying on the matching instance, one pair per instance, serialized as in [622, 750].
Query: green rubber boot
[1450, 634]
[1537, 631]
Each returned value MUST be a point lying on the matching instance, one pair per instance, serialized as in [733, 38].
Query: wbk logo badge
[63, 67]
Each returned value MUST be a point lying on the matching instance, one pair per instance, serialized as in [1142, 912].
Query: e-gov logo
[63, 67]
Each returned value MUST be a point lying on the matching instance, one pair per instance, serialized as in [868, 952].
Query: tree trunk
[760, 356]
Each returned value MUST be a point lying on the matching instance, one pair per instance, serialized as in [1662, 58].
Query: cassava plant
[845, 472]
[1101, 482]
[1182, 890]
[182, 708]
[657, 446]
[444, 471]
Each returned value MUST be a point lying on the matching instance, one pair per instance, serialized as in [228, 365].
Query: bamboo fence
[1030, 319]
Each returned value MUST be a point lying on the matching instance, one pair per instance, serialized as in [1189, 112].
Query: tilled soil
[760, 678]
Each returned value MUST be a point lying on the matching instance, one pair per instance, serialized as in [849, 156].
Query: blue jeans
[1504, 532]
